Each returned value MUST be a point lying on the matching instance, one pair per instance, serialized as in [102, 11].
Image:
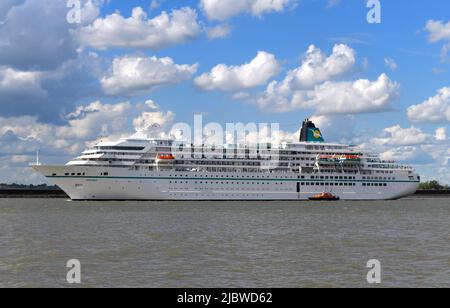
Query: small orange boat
[324, 197]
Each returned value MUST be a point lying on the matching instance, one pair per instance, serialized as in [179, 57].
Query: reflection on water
[224, 244]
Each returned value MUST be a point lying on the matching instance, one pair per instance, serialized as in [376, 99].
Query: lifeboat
[328, 159]
[324, 197]
[350, 159]
[166, 157]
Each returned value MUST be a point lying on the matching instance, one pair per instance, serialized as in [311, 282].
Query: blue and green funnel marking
[310, 133]
[314, 135]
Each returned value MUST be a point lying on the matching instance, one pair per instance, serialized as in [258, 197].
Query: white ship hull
[100, 183]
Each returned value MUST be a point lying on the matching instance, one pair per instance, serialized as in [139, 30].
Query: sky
[73, 73]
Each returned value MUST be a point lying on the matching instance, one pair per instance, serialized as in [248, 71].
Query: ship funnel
[310, 133]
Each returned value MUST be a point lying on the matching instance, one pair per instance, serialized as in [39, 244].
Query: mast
[37, 158]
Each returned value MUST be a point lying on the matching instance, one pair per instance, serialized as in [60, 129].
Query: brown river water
[225, 244]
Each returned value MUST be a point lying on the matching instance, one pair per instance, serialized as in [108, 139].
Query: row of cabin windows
[217, 163]
[229, 183]
[378, 178]
[277, 177]
[281, 183]
[334, 178]
[121, 148]
[233, 176]
[326, 184]
[81, 174]
[114, 153]
[110, 160]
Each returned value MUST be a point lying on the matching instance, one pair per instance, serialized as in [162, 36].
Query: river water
[225, 244]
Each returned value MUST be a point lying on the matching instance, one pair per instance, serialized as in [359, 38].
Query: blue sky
[64, 86]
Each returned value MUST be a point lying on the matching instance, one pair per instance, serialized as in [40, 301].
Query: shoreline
[59, 194]
[32, 193]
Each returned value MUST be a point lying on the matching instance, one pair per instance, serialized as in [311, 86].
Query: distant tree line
[22, 186]
[433, 185]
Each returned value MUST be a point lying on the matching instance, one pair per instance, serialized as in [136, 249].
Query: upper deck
[310, 155]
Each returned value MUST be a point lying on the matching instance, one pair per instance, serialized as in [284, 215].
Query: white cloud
[390, 63]
[436, 109]
[265, 135]
[240, 96]
[151, 104]
[314, 85]
[136, 75]
[90, 10]
[412, 146]
[360, 96]
[438, 31]
[246, 76]
[225, 9]
[26, 133]
[218, 32]
[113, 121]
[441, 134]
[138, 31]
[409, 154]
[14, 81]
[147, 120]
[316, 67]
[398, 136]
[88, 121]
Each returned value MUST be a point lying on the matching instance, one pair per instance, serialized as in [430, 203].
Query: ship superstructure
[164, 169]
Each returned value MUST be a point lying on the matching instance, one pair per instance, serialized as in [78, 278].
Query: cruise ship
[164, 169]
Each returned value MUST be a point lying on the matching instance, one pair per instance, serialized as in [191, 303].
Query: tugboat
[324, 197]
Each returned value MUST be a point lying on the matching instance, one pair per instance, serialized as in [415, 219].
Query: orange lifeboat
[324, 197]
[166, 157]
[350, 158]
